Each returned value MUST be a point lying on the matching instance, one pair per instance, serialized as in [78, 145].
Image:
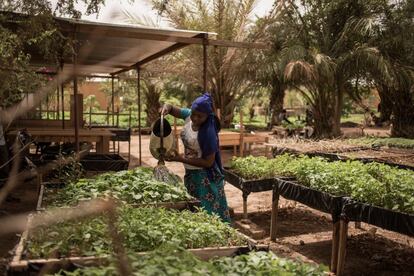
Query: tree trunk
[277, 97]
[386, 105]
[327, 110]
[403, 115]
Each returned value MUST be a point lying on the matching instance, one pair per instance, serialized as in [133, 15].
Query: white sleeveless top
[191, 146]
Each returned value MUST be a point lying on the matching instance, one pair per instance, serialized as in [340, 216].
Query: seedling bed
[21, 266]
[48, 188]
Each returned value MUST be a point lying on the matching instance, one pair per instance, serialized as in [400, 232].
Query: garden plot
[135, 187]
[173, 260]
[143, 229]
[374, 193]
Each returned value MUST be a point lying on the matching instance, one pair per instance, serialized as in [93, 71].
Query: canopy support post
[139, 114]
[62, 94]
[112, 100]
[205, 42]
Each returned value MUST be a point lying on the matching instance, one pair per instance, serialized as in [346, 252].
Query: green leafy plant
[402, 143]
[143, 229]
[373, 183]
[68, 169]
[136, 186]
[173, 260]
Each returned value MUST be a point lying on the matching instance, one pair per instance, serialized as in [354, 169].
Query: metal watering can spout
[162, 139]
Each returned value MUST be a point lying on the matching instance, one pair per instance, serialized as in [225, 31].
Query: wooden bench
[234, 139]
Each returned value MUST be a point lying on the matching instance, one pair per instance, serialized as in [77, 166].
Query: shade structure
[115, 48]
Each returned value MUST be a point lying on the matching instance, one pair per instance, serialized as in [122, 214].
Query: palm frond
[300, 72]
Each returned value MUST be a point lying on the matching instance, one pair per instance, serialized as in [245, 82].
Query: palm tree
[326, 54]
[395, 39]
[227, 67]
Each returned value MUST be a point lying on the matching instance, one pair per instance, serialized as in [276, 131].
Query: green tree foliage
[227, 67]
[28, 34]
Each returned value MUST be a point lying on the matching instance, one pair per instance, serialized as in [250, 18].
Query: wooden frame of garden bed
[352, 210]
[314, 199]
[252, 186]
[20, 266]
[179, 205]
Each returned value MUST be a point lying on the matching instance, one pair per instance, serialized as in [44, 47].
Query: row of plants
[372, 183]
[402, 143]
[143, 229]
[137, 186]
[173, 260]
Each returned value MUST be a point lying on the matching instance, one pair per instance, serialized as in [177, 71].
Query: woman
[202, 161]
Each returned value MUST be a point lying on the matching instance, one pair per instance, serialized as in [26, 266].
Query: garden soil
[302, 232]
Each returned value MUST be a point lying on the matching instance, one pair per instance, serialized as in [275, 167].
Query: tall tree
[227, 67]
[325, 54]
[395, 39]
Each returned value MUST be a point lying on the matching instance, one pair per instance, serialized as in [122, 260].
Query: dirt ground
[22, 200]
[302, 232]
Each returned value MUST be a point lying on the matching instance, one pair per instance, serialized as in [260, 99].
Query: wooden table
[99, 136]
[232, 138]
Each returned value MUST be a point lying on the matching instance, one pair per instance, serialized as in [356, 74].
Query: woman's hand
[166, 109]
[174, 157]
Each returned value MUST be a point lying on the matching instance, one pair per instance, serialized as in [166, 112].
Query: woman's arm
[170, 109]
[198, 162]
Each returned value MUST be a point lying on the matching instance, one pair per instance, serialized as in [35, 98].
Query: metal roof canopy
[114, 48]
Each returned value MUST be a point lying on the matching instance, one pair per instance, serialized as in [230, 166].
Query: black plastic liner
[387, 219]
[121, 134]
[315, 199]
[249, 186]
[104, 162]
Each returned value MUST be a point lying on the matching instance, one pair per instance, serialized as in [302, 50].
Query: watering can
[162, 140]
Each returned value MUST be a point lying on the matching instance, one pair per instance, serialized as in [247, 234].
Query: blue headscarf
[208, 132]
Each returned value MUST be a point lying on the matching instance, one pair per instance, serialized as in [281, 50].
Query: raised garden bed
[352, 210]
[50, 189]
[135, 187]
[36, 246]
[402, 223]
[327, 186]
[173, 260]
[395, 158]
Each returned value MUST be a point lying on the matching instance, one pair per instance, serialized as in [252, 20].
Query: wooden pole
[205, 63]
[47, 106]
[40, 110]
[107, 115]
[75, 98]
[139, 113]
[112, 101]
[57, 99]
[275, 209]
[343, 235]
[334, 251]
[241, 134]
[129, 118]
[117, 116]
[90, 117]
[62, 93]
[245, 195]
[177, 145]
